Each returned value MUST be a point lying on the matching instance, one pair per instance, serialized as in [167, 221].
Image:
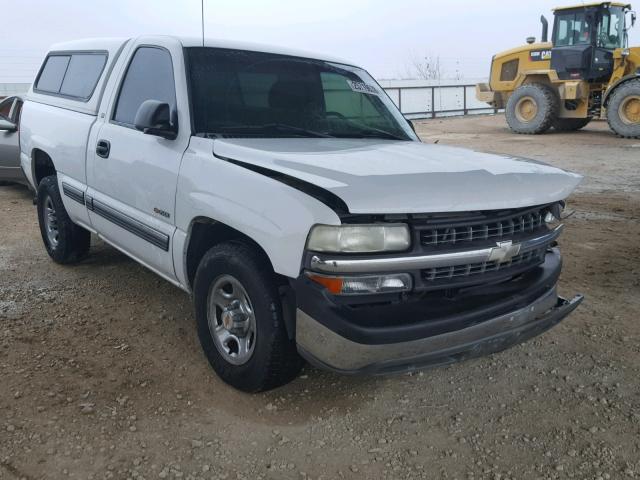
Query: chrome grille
[523, 223]
[524, 259]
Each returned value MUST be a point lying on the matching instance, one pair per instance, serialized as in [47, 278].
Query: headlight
[359, 238]
[554, 214]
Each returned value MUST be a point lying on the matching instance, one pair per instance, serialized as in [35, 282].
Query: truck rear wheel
[532, 109]
[240, 319]
[623, 110]
[570, 124]
[64, 241]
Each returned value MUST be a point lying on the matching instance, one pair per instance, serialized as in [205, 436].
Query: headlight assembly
[359, 238]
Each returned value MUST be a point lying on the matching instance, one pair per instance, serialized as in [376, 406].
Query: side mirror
[155, 118]
[632, 20]
[7, 126]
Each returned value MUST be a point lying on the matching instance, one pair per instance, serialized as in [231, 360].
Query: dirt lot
[101, 375]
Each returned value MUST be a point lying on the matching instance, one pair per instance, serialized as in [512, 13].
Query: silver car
[10, 170]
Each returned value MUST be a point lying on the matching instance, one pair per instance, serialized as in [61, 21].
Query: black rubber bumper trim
[458, 353]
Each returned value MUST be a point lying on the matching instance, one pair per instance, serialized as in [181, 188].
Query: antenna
[202, 18]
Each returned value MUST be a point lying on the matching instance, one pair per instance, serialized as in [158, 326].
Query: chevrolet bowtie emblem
[504, 251]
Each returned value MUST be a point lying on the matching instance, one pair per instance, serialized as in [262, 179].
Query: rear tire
[570, 124]
[532, 109]
[240, 319]
[623, 110]
[64, 241]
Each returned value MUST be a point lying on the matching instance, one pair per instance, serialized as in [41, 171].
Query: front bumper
[326, 349]
[405, 334]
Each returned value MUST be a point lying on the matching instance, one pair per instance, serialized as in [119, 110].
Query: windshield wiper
[370, 133]
[282, 128]
[366, 131]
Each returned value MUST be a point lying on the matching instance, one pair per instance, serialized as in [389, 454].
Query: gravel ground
[101, 375]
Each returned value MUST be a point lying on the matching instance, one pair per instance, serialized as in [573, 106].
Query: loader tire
[623, 110]
[570, 124]
[532, 109]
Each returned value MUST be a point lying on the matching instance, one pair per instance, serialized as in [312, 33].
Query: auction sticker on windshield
[362, 87]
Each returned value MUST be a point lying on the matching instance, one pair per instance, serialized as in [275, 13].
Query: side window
[50, 79]
[82, 75]
[5, 107]
[149, 77]
[75, 75]
[563, 31]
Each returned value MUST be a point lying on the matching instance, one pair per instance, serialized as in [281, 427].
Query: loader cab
[584, 39]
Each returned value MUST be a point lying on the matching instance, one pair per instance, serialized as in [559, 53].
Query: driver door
[132, 176]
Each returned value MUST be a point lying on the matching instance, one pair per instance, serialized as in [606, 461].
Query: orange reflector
[333, 284]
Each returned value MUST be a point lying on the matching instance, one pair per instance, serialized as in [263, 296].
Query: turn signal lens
[333, 284]
[364, 285]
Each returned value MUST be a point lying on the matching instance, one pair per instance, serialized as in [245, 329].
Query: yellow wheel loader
[587, 71]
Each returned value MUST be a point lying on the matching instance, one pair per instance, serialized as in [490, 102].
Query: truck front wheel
[64, 241]
[240, 319]
[623, 110]
[532, 109]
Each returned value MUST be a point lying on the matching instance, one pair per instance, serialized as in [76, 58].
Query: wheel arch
[617, 84]
[206, 232]
[41, 166]
[531, 78]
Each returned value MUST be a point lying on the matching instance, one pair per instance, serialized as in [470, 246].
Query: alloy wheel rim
[526, 109]
[629, 110]
[51, 222]
[231, 320]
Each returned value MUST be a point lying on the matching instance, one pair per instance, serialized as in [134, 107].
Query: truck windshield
[254, 94]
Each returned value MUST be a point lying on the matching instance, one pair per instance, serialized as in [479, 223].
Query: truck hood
[383, 176]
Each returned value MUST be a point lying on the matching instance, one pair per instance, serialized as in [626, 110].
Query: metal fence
[432, 101]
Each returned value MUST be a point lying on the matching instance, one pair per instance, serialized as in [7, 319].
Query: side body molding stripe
[132, 225]
[330, 199]
[73, 193]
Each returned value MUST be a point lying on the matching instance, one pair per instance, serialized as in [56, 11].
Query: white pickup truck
[287, 194]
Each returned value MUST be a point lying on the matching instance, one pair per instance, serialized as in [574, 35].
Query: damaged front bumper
[326, 349]
[486, 320]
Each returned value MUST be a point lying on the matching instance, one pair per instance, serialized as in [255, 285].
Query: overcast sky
[380, 35]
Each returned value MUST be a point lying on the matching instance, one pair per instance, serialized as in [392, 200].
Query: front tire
[240, 319]
[532, 109]
[64, 241]
[623, 110]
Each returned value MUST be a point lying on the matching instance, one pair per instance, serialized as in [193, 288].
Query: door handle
[103, 148]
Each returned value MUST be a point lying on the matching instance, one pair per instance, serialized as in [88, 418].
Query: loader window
[572, 28]
[611, 28]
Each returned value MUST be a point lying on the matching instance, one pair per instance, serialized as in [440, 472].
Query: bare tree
[425, 67]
